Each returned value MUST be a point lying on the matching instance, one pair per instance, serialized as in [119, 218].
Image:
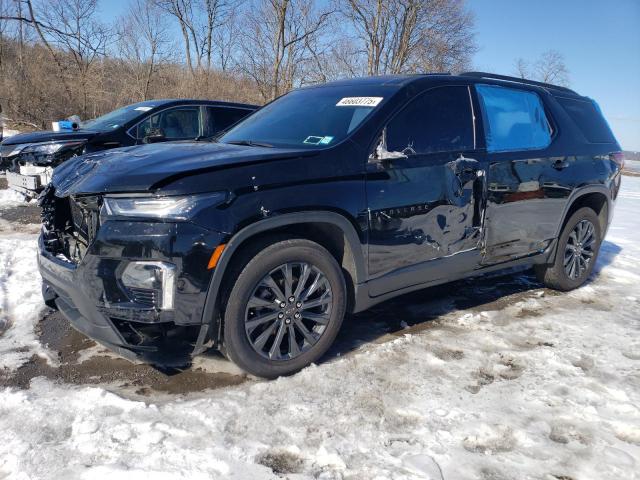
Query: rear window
[219, 118]
[513, 119]
[589, 119]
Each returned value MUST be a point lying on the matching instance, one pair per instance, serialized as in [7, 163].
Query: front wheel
[284, 309]
[576, 253]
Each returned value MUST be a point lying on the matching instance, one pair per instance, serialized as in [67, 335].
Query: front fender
[211, 309]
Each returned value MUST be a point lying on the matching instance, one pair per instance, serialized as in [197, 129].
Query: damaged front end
[30, 165]
[126, 283]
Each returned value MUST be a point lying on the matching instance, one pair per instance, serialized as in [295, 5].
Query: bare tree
[25, 14]
[227, 38]
[400, 36]
[74, 28]
[4, 12]
[199, 22]
[143, 43]
[57, 59]
[522, 68]
[550, 67]
[278, 41]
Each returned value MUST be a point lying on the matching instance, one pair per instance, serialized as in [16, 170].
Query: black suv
[325, 202]
[30, 157]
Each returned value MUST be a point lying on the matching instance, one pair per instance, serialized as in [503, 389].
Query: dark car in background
[29, 158]
[327, 201]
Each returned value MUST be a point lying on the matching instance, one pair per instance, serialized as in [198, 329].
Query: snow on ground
[535, 386]
[20, 300]
[632, 166]
[10, 198]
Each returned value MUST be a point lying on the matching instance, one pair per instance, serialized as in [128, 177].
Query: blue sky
[600, 40]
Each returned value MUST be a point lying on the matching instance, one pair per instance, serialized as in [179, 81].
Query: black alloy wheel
[285, 306]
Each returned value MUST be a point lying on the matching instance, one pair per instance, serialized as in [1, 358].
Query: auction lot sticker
[359, 102]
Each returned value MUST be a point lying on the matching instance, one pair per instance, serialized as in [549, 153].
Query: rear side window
[440, 120]
[177, 123]
[219, 118]
[513, 119]
[589, 119]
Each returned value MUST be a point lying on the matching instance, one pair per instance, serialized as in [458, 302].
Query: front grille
[77, 216]
[70, 223]
[84, 214]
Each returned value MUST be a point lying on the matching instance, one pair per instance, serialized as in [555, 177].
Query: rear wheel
[576, 254]
[284, 309]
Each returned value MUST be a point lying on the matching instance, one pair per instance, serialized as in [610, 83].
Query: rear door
[528, 182]
[424, 190]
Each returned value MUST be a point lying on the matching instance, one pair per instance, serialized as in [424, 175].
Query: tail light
[618, 157]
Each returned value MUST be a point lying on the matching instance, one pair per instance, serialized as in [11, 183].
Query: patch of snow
[10, 198]
[6, 133]
[546, 386]
[20, 301]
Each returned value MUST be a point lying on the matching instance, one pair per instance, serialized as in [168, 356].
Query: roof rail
[517, 80]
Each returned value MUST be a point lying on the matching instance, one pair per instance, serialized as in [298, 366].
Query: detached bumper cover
[90, 296]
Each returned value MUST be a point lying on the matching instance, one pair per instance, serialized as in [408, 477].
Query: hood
[141, 168]
[47, 136]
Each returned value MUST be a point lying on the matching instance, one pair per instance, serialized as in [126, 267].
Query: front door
[425, 188]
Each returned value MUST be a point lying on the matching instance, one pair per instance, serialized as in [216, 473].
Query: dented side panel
[422, 208]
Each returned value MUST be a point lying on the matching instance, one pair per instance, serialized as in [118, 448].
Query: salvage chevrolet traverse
[327, 201]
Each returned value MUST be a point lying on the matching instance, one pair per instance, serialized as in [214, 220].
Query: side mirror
[155, 135]
[380, 154]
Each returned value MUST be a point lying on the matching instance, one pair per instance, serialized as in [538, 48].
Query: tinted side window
[219, 118]
[513, 119]
[176, 123]
[439, 120]
[589, 119]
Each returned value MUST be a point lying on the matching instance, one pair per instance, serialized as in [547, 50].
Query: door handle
[560, 164]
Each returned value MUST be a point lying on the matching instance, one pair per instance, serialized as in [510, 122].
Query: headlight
[170, 208]
[45, 148]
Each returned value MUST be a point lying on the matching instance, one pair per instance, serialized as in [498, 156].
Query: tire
[250, 340]
[555, 275]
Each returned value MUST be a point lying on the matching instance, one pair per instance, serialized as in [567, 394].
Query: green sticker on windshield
[313, 140]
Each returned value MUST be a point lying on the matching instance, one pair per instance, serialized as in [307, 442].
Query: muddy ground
[83, 362]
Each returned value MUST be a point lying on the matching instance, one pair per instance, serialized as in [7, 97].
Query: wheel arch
[332, 230]
[596, 197]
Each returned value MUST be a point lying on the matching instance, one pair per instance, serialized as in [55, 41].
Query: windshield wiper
[250, 143]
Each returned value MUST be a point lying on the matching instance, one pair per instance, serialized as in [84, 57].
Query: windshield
[117, 118]
[309, 118]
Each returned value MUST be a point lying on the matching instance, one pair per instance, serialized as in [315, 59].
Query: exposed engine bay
[69, 224]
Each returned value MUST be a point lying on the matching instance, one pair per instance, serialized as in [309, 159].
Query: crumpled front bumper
[62, 278]
[89, 295]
